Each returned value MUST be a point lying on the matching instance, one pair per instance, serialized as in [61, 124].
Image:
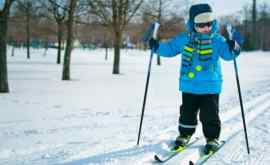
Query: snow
[94, 118]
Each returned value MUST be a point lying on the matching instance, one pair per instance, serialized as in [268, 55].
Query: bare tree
[115, 14]
[157, 10]
[59, 13]
[254, 24]
[69, 42]
[25, 7]
[246, 15]
[264, 19]
[4, 14]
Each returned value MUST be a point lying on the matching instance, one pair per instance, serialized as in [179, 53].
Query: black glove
[234, 47]
[153, 44]
[231, 44]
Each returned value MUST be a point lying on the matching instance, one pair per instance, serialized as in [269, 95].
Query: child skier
[200, 76]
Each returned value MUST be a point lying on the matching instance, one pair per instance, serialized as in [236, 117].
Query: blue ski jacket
[199, 76]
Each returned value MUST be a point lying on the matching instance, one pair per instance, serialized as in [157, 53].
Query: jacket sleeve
[173, 46]
[225, 51]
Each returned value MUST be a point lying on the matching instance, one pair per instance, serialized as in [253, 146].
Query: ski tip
[191, 163]
[157, 159]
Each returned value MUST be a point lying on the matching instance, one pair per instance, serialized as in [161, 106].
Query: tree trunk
[59, 38]
[117, 46]
[158, 60]
[3, 53]
[28, 32]
[160, 12]
[13, 51]
[106, 52]
[262, 35]
[254, 24]
[69, 42]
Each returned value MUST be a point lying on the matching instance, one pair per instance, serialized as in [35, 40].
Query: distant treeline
[91, 33]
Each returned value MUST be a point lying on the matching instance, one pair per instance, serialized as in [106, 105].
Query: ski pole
[150, 33]
[229, 30]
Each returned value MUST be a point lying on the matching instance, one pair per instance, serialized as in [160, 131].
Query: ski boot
[212, 145]
[182, 141]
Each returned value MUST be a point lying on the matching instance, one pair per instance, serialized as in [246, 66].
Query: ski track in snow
[232, 125]
[81, 151]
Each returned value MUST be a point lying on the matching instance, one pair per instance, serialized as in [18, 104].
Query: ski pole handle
[229, 30]
[151, 32]
[155, 32]
[230, 33]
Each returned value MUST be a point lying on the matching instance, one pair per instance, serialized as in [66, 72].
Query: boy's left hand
[235, 39]
[233, 45]
[236, 36]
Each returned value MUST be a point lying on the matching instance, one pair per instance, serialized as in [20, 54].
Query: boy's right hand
[153, 44]
[151, 36]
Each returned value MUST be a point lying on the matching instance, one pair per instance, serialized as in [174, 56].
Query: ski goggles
[202, 25]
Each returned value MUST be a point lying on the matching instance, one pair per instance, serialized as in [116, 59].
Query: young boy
[200, 76]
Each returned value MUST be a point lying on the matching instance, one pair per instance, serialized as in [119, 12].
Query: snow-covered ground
[94, 118]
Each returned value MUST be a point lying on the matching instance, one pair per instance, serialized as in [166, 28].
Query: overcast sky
[220, 7]
[225, 7]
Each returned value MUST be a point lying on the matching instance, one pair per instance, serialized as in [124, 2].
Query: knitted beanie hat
[201, 13]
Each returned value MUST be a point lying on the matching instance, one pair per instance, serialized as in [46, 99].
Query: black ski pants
[208, 107]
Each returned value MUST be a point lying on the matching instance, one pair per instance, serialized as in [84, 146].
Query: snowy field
[94, 118]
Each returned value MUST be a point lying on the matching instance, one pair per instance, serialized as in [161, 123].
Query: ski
[205, 157]
[173, 152]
